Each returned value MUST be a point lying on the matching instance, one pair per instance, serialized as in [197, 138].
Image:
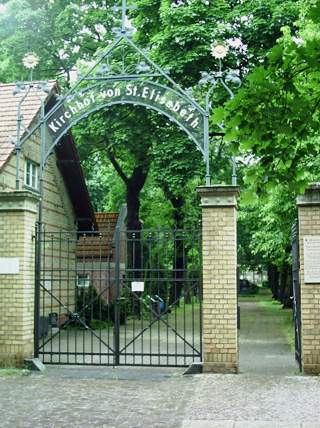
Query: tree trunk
[133, 206]
[134, 185]
[286, 286]
[273, 280]
[179, 256]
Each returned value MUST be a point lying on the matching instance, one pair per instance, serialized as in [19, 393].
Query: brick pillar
[309, 237]
[18, 212]
[219, 223]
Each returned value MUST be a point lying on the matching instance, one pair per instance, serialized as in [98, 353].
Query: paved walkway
[264, 342]
[267, 394]
[134, 397]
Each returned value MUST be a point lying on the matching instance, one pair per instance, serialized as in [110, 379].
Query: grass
[262, 294]
[13, 372]
[186, 311]
[274, 306]
[94, 325]
[265, 300]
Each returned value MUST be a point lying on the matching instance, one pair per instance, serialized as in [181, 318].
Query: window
[83, 280]
[31, 174]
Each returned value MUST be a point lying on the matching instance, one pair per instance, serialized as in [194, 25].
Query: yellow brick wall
[220, 333]
[309, 224]
[17, 240]
[17, 291]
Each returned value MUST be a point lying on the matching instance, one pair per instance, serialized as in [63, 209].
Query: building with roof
[66, 206]
[67, 199]
[96, 255]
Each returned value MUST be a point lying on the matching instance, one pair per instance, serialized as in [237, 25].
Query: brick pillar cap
[311, 195]
[218, 195]
[219, 190]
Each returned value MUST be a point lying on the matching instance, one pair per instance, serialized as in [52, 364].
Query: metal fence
[123, 298]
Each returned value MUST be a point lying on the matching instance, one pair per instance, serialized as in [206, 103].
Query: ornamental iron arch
[122, 74]
[146, 93]
[114, 80]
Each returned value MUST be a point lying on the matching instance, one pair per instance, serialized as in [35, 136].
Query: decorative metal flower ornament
[219, 50]
[30, 60]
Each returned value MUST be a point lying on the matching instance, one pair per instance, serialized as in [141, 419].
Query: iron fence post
[37, 290]
[296, 291]
[117, 308]
[38, 234]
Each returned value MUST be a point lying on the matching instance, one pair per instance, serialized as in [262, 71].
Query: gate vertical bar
[206, 146]
[201, 292]
[37, 290]
[296, 291]
[117, 300]
[39, 230]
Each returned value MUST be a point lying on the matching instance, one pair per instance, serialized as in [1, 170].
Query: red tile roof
[66, 151]
[100, 245]
[107, 221]
[8, 115]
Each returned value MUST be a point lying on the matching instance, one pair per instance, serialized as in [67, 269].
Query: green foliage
[99, 324]
[110, 141]
[181, 32]
[265, 228]
[106, 188]
[176, 161]
[61, 32]
[277, 110]
[90, 305]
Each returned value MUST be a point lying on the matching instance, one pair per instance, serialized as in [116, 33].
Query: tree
[175, 164]
[113, 135]
[56, 31]
[265, 238]
[275, 116]
[63, 27]
[61, 32]
[180, 33]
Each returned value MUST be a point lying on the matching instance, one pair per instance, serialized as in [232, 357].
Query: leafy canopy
[275, 116]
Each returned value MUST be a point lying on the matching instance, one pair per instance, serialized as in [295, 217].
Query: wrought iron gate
[296, 291]
[123, 298]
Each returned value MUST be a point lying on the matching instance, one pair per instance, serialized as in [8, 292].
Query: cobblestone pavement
[267, 394]
[154, 397]
[94, 397]
[292, 400]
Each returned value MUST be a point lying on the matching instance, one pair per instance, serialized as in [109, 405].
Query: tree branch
[117, 167]
[217, 134]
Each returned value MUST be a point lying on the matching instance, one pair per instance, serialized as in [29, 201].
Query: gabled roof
[107, 221]
[8, 115]
[100, 245]
[67, 155]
